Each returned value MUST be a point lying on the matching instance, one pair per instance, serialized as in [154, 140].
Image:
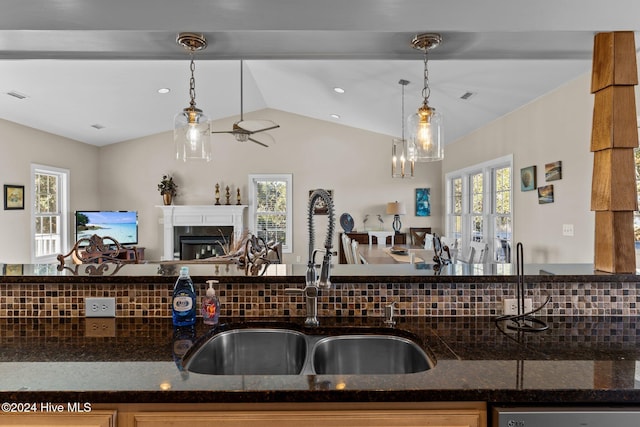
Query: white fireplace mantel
[200, 215]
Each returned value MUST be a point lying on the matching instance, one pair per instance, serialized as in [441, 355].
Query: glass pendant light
[191, 127]
[425, 126]
[402, 153]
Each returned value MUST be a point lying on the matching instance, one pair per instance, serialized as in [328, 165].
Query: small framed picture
[528, 178]
[13, 269]
[545, 194]
[423, 202]
[320, 208]
[553, 171]
[13, 197]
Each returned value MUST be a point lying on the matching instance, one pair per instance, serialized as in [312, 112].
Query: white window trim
[63, 201]
[488, 186]
[287, 247]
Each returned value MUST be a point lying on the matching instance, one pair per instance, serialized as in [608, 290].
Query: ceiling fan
[243, 130]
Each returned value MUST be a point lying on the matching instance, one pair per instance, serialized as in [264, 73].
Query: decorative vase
[167, 198]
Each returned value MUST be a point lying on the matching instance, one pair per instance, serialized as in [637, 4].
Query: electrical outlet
[100, 307]
[100, 327]
[510, 306]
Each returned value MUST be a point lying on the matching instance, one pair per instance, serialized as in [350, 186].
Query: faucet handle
[293, 291]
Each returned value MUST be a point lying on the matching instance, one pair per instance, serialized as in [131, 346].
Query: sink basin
[368, 354]
[258, 351]
[281, 351]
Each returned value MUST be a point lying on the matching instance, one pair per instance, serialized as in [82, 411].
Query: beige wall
[22, 146]
[554, 127]
[354, 163]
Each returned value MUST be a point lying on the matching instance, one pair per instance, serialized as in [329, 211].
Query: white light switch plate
[567, 229]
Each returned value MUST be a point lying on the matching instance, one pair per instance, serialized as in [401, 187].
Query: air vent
[97, 126]
[467, 95]
[17, 95]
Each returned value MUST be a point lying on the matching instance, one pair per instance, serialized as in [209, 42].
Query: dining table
[396, 254]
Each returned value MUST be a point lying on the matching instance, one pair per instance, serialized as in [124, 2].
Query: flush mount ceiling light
[191, 130]
[402, 153]
[425, 126]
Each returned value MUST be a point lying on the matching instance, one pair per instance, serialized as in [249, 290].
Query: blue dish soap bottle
[183, 303]
[210, 305]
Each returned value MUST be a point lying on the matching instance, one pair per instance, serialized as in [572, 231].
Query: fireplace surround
[199, 217]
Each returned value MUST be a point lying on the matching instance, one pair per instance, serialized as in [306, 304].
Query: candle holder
[217, 194]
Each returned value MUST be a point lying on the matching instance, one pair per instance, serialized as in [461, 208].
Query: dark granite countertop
[295, 273]
[577, 360]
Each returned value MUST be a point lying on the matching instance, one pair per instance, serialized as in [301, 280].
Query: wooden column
[614, 136]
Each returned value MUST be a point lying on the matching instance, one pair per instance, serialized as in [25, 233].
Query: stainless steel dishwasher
[565, 417]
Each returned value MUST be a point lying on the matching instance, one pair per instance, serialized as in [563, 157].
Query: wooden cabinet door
[348, 418]
[101, 418]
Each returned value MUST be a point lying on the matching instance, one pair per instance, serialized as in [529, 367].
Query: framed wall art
[528, 178]
[545, 194]
[13, 197]
[423, 202]
[553, 171]
[13, 269]
[320, 207]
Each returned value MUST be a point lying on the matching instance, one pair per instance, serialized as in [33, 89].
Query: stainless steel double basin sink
[276, 351]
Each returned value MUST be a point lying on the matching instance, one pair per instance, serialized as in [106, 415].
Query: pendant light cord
[402, 116]
[241, 92]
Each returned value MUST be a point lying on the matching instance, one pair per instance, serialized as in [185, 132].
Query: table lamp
[396, 209]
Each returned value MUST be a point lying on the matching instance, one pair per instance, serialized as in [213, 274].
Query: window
[477, 202]
[455, 226]
[49, 215]
[270, 208]
[479, 207]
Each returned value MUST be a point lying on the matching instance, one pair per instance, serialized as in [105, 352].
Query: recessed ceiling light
[335, 116]
[164, 90]
[338, 90]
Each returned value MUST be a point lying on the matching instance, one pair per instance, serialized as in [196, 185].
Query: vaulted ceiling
[84, 64]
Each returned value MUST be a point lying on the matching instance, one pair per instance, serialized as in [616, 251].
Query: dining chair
[357, 256]
[381, 237]
[346, 249]
[428, 241]
[480, 252]
[466, 257]
[418, 235]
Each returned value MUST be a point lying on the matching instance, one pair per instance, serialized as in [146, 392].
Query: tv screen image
[121, 225]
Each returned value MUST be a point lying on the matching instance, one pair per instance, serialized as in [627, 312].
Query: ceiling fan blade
[258, 142]
[221, 131]
[255, 126]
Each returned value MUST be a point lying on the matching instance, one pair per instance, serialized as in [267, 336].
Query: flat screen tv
[121, 225]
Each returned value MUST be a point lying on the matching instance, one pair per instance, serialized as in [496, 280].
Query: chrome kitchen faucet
[312, 281]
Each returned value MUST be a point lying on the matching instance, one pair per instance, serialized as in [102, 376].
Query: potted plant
[167, 188]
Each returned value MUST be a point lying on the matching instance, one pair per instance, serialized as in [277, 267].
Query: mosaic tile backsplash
[343, 300]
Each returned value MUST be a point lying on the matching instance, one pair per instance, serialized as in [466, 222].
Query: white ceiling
[87, 62]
